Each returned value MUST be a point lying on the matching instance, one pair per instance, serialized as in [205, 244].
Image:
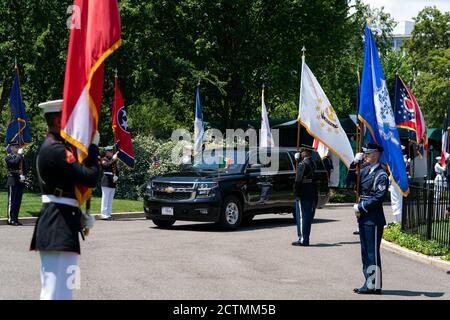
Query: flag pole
[19, 131]
[360, 129]
[299, 126]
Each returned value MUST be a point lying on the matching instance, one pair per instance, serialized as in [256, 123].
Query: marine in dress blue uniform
[306, 196]
[374, 185]
[15, 183]
[60, 222]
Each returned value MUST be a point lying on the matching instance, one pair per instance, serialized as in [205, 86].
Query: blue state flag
[375, 111]
[18, 130]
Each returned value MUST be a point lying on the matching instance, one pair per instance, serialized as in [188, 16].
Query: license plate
[167, 211]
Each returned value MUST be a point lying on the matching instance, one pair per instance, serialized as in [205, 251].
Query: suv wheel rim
[232, 213]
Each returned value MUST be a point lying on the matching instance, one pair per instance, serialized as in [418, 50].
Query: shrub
[394, 234]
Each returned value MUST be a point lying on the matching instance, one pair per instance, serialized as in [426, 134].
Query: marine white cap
[51, 106]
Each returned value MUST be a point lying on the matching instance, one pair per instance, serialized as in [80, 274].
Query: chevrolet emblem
[169, 190]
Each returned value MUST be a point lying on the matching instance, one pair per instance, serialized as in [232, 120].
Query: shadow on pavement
[254, 225]
[407, 293]
[337, 244]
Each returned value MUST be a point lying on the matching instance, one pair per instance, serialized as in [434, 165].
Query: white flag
[266, 139]
[320, 120]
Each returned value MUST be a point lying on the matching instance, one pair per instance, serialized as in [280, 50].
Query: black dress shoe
[299, 243]
[107, 219]
[366, 291]
[356, 233]
[17, 223]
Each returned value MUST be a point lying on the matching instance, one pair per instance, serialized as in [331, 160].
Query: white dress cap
[51, 106]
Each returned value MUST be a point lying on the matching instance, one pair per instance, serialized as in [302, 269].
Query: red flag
[122, 135]
[95, 35]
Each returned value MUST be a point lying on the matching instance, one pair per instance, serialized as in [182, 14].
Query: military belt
[108, 173]
[60, 200]
[58, 192]
[307, 181]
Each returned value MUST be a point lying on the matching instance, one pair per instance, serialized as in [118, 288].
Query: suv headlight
[206, 189]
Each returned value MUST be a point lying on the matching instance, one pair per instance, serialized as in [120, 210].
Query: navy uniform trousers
[16, 167]
[15, 194]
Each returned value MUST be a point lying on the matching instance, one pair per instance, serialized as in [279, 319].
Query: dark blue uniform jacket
[373, 189]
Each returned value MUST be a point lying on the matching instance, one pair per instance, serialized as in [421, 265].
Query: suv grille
[172, 196]
[164, 185]
[173, 191]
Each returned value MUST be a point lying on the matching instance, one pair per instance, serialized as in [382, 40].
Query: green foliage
[153, 116]
[132, 183]
[429, 52]
[32, 204]
[342, 196]
[394, 234]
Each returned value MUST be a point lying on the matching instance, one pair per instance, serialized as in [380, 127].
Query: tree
[429, 52]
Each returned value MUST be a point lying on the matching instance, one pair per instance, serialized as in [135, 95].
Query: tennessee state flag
[122, 135]
[409, 116]
[95, 35]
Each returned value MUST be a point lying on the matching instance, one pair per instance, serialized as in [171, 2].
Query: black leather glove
[93, 154]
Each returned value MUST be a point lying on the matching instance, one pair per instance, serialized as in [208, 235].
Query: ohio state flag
[95, 35]
[122, 135]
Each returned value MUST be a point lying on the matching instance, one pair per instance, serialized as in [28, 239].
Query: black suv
[230, 190]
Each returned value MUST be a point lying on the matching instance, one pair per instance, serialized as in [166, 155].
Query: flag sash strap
[92, 107]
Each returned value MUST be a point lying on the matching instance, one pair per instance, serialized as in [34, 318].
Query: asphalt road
[135, 260]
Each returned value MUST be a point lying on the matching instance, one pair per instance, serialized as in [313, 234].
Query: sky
[402, 10]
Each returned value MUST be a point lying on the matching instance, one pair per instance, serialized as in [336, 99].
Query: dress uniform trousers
[107, 200]
[15, 194]
[59, 275]
[304, 217]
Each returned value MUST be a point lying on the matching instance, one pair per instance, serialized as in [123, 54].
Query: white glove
[115, 157]
[357, 213]
[22, 178]
[115, 178]
[87, 221]
[359, 157]
[20, 151]
[96, 139]
[297, 156]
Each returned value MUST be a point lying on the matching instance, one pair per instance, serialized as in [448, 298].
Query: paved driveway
[134, 260]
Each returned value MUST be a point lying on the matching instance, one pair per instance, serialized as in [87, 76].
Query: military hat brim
[371, 148]
[51, 106]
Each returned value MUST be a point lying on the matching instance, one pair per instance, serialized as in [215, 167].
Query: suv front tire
[231, 213]
[163, 223]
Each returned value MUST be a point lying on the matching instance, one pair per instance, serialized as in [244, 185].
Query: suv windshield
[227, 161]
